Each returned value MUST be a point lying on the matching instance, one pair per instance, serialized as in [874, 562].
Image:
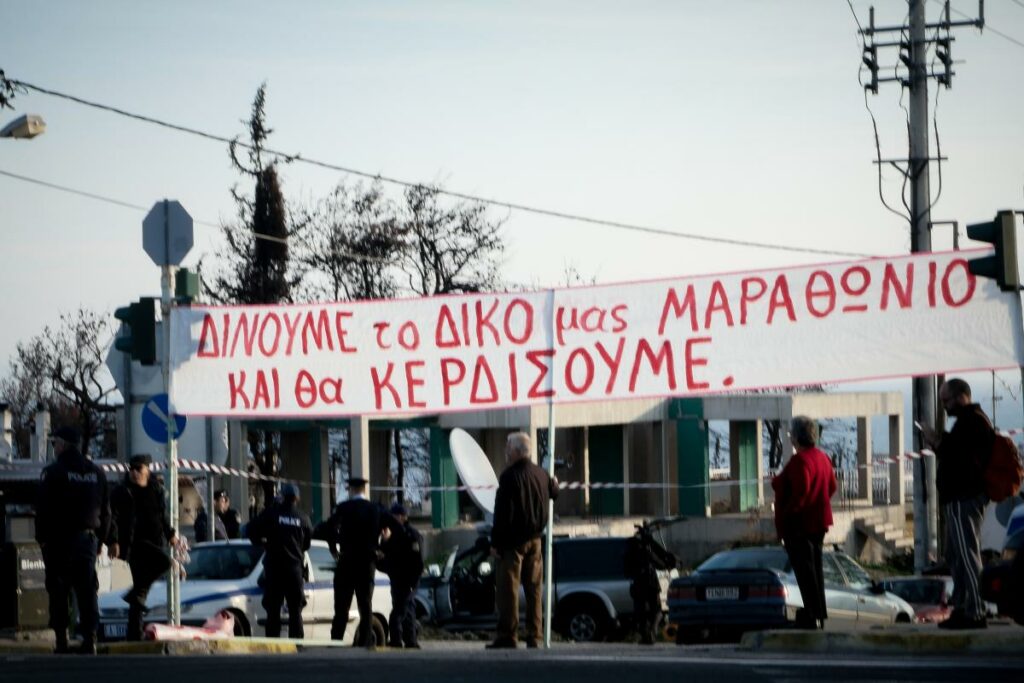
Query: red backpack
[1003, 473]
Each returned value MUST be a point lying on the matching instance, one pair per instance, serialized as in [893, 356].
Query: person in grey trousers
[962, 454]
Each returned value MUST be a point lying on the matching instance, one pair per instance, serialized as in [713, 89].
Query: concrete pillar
[238, 452]
[40, 442]
[626, 429]
[359, 448]
[864, 467]
[586, 470]
[897, 479]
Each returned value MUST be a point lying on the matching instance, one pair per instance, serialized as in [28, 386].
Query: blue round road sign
[154, 419]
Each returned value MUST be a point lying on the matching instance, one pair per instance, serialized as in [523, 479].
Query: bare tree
[353, 241]
[452, 248]
[63, 369]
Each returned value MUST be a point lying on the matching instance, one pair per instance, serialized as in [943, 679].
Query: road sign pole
[167, 238]
[166, 287]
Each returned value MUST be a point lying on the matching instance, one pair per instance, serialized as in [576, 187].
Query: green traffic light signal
[140, 339]
[1001, 266]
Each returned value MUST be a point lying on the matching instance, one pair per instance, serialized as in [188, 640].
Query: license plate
[115, 630]
[723, 593]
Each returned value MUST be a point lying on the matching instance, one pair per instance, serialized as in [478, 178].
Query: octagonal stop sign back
[167, 233]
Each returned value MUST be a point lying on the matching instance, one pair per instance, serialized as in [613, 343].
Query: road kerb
[894, 641]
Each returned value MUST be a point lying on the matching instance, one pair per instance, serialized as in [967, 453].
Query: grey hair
[519, 445]
[804, 431]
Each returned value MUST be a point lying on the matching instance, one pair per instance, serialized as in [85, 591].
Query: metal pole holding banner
[549, 539]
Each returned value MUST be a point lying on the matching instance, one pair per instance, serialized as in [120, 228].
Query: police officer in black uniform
[403, 563]
[72, 520]
[644, 557]
[285, 533]
[138, 535]
[355, 529]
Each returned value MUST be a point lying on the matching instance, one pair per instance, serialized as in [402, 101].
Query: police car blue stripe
[256, 590]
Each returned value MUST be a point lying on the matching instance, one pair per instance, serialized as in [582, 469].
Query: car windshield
[222, 562]
[922, 592]
[768, 558]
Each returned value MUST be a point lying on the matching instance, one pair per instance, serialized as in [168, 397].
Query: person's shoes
[88, 647]
[61, 646]
[502, 644]
[414, 646]
[532, 644]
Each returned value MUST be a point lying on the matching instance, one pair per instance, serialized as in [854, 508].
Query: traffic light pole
[173, 576]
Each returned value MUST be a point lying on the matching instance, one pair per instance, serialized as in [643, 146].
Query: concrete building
[661, 443]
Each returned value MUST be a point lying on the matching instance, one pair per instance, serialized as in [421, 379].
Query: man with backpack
[962, 455]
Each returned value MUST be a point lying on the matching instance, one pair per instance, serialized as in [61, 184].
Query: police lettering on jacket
[284, 520]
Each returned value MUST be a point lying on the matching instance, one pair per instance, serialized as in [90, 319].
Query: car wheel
[903, 618]
[242, 628]
[585, 621]
[380, 631]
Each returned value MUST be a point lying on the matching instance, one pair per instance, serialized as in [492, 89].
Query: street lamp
[26, 126]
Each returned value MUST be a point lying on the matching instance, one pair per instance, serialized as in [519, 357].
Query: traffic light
[140, 340]
[1001, 266]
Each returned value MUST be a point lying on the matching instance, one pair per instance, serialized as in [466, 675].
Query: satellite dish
[474, 469]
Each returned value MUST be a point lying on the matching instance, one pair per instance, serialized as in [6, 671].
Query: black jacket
[354, 529]
[232, 523]
[521, 504]
[140, 517]
[73, 497]
[403, 555]
[963, 454]
[285, 532]
[202, 527]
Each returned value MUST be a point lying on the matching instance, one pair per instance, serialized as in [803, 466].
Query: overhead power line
[139, 207]
[513, 206]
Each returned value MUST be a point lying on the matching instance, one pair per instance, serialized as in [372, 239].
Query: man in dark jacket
[285, 532]
[228, 516]
[403, 558]
[72, 520]
[355, 529]
[803, 514]
[202, 527]
[520, 516]
[962, 454]
[644, 556]
[139, 534]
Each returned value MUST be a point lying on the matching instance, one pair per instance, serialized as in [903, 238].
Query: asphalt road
[468, 662]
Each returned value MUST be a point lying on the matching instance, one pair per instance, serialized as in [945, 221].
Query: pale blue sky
[741, 119]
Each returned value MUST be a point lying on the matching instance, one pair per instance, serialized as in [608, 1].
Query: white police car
[225, 575]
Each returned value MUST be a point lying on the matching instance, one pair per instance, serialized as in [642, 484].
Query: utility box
[23, 599]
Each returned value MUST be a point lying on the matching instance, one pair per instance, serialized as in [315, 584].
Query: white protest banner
[887, 317]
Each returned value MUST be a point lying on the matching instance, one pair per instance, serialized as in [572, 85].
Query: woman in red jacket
[803, 513]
